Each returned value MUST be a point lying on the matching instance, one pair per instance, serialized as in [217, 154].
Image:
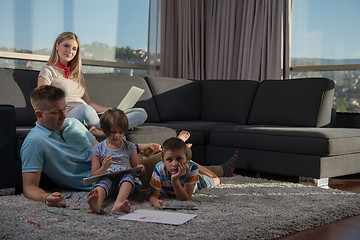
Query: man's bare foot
[122, 207]
[93, 201]
[96, 132]
[184, 135]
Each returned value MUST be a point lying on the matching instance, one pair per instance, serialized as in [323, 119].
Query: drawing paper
[158, 216]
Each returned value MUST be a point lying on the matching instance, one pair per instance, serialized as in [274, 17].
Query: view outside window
[111, 30]
[324, 33]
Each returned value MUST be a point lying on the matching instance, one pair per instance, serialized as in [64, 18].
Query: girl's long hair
[75, 72]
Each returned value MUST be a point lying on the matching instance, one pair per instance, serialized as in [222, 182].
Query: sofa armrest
[7, 146]
[347, 120]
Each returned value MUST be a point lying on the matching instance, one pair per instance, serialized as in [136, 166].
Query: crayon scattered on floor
[68, 197]
[33, 223]
[64, 214]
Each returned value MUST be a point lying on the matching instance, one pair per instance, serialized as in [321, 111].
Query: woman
[63, 70]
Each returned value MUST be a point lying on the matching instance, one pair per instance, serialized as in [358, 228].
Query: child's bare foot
[184, 135]
[96, 132]
[93, 201]
[122, 207]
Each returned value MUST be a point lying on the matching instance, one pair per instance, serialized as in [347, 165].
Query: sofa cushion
[176, 99]
[150, 134]
[16, 86]
[300, 140]
[227, 101]
[198, 129]
[297, 102]
[109, 90]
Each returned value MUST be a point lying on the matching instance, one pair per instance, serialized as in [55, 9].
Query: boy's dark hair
[41, 95]
[172, 144]
[114, 117]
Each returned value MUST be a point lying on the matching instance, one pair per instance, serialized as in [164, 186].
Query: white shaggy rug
[240, 208]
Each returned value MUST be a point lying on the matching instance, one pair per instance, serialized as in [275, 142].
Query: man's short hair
[114, 117]
[41, 95]
[173, 144]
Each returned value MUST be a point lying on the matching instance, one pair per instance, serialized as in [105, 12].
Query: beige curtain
[224, 39]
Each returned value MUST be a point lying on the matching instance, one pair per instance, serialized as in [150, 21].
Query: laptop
[131, 98]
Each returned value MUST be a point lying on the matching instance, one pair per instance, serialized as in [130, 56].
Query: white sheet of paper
[163, 217]
[131, 98]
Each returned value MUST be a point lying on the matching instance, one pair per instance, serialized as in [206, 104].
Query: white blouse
[73, 91]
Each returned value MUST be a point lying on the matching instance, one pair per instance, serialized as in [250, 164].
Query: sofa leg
[319, 182]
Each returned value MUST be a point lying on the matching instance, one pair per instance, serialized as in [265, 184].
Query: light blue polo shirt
[63, 156]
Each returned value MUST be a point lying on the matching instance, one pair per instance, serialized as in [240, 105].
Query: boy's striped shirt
[160, 181]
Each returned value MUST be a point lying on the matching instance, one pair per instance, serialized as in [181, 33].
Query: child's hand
[158, 204]
[142, 171]
[183, 168]
[107, 162]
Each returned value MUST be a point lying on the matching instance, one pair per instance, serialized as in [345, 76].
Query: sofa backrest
[298, 102]
[109, 90]
[16, 86]
[176, 98]
[227, 100]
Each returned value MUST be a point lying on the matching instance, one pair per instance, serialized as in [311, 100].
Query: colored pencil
[112, 159]
[33, 223]
[58, 213]
[68, 197]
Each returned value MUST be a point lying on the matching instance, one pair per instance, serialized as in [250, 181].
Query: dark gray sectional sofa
[279, 126]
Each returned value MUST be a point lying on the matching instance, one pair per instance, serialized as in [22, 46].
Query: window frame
[86, 62]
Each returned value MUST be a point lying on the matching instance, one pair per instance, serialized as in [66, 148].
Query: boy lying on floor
[176, 175]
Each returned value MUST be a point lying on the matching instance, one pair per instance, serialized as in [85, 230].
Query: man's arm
[31, 181]
[183, 193]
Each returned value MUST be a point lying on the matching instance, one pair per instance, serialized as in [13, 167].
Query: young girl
[113, 154]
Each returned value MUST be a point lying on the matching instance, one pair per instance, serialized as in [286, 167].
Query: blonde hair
[75, 72]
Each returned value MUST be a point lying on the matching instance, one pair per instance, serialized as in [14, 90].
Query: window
[325, 43]
[109, 31]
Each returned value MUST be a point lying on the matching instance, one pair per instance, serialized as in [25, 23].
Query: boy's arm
[154, 198]
[183, 193]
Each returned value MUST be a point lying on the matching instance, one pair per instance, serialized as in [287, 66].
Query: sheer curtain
[217, 39]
